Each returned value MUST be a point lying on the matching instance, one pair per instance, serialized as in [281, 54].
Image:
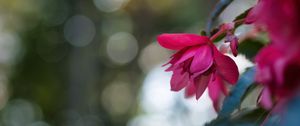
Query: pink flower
[278, 65]
[281, 19]
[198, 64]
[278, 69]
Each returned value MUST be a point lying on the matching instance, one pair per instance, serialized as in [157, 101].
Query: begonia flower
[198, 64]
[278, 64]
[278, 69]
[280, 18]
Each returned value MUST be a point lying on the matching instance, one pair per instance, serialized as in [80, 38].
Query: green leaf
[255, 116]
[249, 90]
[220, 37]
[250, 47]
[220, 121]
[242, 15]
[233, 101]
[245, 117]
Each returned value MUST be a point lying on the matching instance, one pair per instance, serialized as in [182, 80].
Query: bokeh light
[3, 90]
[117, 98]
[151, 56]
[79, 30]
[21, 112]
[9, 47]
[122, 47]
[109, 5]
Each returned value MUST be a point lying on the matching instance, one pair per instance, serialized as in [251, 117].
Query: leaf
[220, 121]
[242, 15]
[249, 90]
[255, 116]
[245, 117]
[233, 101]
[220, 37]
[250, 47]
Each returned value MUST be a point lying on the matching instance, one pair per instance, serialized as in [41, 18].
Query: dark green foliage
[242, 15]
[250, 47]
[245, 117]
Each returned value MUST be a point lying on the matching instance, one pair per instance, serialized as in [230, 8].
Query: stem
[222, 30]
[221, 5]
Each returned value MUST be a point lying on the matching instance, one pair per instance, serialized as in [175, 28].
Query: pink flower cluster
[278, 64]
[198, 64]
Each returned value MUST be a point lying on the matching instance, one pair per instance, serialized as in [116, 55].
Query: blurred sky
[97, 63]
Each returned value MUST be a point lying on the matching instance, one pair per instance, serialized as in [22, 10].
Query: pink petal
[264, 58]
[201, 84]
[265, 99]
[221, 84]
[190, 90]
[226, 67]
[203, 60]
[214, 92]
[234, 46]
[263, 75]
[223, 88]
[252, 16]
[175, 57]
[268, 64]
[180, 40]
[187, 54]
[171, 68]
[179, 80]
[279, 67]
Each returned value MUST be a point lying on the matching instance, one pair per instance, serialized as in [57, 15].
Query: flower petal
[226, 67]
[187, 54]
[214, 92]
[265, 99]
[175, 57]
[279, 68]
[234, 46]
[180, 40]
[190, 90]
[201, 84]
[179, 80]
[203, 60]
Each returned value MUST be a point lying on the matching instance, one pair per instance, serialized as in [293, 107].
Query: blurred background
[96, 62]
